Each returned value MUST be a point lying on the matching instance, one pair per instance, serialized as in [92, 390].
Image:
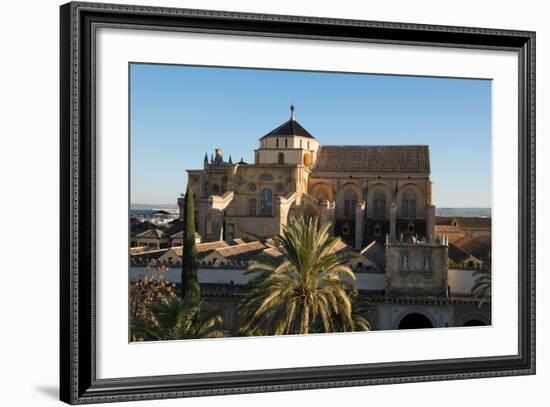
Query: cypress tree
[189, 277]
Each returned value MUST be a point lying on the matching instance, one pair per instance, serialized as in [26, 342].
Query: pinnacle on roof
[289, 128]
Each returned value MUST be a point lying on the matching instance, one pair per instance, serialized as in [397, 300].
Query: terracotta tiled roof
[174, 227]
[210, 246]
[446, 229]
[484, 239]
[147, 256]
[443, 220]
[376, 159]
[476, 247]
[179, 235]
[152, 233]
[203, 249]
[376, 252]
[270, 251]
[240, 248]
[137, 227]
[457, 254]
[342, 248]
[464, 222]
[473, 222]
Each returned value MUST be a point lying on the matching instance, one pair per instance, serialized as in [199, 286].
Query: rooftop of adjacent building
[464, 222]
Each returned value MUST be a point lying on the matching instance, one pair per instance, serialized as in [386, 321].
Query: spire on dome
[289, 128]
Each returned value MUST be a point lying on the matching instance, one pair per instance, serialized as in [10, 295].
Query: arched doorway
[415, 321]
[266, 202]
[474, 322]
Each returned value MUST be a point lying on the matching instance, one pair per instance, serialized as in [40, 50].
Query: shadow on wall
[49, 391]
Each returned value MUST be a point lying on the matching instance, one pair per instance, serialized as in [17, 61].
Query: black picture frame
[78, 382]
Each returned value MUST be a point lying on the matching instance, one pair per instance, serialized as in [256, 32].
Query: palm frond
[308, 291]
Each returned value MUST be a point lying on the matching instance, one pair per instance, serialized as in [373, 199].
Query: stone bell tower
[181, 205]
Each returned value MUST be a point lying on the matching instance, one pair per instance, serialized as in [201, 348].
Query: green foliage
[359, 309]
[173, 319]
[189, 275]
[145, 292]
[482, 285]
[308, 291]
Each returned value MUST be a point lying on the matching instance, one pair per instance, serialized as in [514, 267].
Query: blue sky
[180, 112]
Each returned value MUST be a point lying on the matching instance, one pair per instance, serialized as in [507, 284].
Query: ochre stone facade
[364, 192]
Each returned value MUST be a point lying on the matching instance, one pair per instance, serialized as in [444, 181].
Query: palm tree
[307, 291]
[174, 319]
[358, 311]
[482, 285]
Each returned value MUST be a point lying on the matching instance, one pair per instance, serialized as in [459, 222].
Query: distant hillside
[454, 212]
[464, 212]
[152, 206]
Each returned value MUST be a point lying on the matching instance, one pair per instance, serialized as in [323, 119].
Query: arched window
[350, 201]
[266, 203]
[281, 158]
[379, 203]
[408, 205]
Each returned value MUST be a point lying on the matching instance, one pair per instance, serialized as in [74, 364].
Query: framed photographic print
[255, 203]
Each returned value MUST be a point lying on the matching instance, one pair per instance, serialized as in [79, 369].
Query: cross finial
[292, 116]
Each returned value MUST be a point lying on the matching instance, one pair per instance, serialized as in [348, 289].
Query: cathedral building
[377, 199]
[365, 192]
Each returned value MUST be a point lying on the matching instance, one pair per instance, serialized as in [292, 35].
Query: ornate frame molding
[78, 380]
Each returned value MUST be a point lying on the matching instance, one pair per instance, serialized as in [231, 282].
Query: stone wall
[416, 269]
